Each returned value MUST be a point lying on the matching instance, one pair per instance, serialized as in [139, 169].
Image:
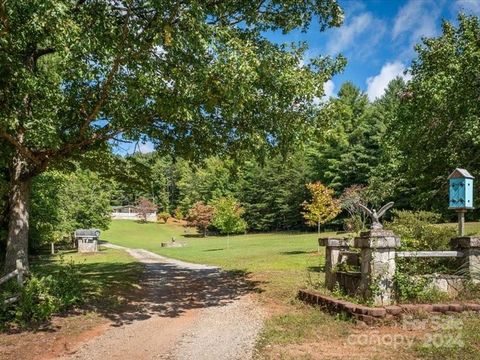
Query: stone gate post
[470, 246]
[333, 247]
[377, 267]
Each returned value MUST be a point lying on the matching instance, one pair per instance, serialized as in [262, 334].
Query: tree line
[231, 114]
[401, 147]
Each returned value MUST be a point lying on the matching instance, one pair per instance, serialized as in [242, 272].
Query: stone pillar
[377, 267]
[332, 257]
[470, 246]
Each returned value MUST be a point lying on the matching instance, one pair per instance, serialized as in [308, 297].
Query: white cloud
[416, 19]
[376, 85]
[358, 35]
[467, 6]
[349, 32]
[328, 89]
[146, 148]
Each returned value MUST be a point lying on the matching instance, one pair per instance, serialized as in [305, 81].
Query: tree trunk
[17, 241]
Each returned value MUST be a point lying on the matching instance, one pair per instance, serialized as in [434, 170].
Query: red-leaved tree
[145, 207]
[200, 216]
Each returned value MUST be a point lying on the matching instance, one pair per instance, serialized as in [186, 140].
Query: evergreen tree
[350, 148]
[272, 193]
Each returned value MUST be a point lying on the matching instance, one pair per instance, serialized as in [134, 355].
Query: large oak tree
[195, 76]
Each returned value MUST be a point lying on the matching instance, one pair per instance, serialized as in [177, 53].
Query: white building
[130, 212]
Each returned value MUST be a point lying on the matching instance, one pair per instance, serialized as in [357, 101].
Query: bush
[416, 289]
[37, 302]
[68, 286]
[42, 296]
[163, 216]
[177, 214]
[420, 230]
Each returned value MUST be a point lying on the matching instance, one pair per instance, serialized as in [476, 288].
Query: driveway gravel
[185, 311]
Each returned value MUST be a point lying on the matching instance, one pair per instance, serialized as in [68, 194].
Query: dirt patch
[62, 334]
[361, 343]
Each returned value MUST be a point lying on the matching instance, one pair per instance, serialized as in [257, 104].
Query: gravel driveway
[186, 311]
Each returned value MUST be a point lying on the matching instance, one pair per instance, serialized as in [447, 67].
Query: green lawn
[252, 252]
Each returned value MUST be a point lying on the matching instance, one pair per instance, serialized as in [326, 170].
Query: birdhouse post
[460, 195]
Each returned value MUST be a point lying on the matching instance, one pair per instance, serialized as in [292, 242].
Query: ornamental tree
[144, 208]
[349, 201]
[227, 216]
[200, 216]
[323, 207]
[76, 76]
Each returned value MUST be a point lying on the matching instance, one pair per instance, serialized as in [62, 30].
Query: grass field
[282, 263]
[252, 252]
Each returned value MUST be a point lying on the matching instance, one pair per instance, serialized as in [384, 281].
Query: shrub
[163, 216]
[68, 287]
[42, 296]
[37, 302]
[177, 214]
[416, 289]
[420, 230]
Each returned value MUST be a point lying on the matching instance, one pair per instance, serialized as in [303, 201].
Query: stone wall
[87, 246]
[378, 250]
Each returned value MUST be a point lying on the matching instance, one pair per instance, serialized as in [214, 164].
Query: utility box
[460, 190]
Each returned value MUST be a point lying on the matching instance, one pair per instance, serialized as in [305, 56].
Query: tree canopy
[196, 77]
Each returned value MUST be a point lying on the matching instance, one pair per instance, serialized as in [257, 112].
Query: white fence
[19, 273]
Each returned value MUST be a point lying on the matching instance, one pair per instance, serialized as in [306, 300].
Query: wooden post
[53, 248]
[20, 270]
[461, 222]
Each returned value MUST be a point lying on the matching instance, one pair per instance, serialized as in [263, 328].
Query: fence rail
[19, 273]
[423, 254]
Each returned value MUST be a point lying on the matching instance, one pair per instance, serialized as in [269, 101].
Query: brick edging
[372, 315]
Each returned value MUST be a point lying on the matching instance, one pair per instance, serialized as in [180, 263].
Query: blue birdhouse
[460, 189]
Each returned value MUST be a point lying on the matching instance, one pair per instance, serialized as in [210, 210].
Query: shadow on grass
[135, 291]
[294, 252]
[219, 249]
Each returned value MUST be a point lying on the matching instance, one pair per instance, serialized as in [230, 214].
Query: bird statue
[376, 224]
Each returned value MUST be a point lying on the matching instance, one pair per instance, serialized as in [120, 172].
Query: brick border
[372, 315]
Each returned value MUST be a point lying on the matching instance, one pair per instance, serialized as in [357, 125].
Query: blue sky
[377, 38]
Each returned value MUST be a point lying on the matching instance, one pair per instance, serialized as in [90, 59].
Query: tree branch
[41, 52]
[26, 153]
[106, 85]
